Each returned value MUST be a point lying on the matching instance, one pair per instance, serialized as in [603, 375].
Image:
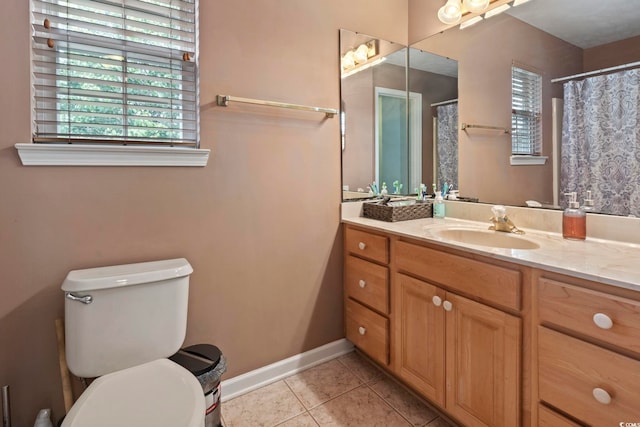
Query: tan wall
[260, 224]
[612, 54]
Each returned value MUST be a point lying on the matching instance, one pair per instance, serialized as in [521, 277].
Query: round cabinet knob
[437, 301]
[362, 283]
[362, 330]
[601, 396]
[447, 305]
[602, 321]
[362, 245]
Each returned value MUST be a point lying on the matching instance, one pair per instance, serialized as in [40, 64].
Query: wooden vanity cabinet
[366, 292]
[458, 353]
[588, 351]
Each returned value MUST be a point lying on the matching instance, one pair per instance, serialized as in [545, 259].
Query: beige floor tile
[302, 420]
[361, 367]
[359, 407]
[404, 402]
[267, 406]
[321, 383]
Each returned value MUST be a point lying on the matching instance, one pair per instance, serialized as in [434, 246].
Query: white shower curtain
[601, 141]
[447, 144]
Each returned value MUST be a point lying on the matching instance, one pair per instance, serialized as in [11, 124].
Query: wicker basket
[375, 210]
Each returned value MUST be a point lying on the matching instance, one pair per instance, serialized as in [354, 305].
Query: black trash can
[207, 364]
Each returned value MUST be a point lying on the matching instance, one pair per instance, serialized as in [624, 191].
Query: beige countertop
[605, 261]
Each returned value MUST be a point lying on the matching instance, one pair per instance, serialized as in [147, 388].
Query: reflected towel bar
[223, 101]
[466, 126]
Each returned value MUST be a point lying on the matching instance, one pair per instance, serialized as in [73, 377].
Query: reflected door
[398, 139]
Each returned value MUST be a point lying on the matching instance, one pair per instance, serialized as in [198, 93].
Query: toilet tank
[126, 315]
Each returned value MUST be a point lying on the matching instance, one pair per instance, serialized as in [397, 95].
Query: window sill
[528, 160]
[106, 155]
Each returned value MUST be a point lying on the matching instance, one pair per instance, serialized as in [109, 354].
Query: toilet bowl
[159, 393]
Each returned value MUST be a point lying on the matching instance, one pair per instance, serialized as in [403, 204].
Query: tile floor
[347, 391]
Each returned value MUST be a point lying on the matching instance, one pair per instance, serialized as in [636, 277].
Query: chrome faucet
[501, 222]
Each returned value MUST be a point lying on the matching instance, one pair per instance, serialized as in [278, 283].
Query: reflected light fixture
[476, 6]
[451, 12]
[497, 10]
[358, 56]
[470, 22]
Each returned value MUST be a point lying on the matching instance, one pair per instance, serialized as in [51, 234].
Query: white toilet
[121, 323]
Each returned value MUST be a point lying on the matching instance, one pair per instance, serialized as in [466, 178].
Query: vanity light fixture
[451, 12]
[476, 6]
[470, 22]
[496, 11]
[362, 67]
[356, 58]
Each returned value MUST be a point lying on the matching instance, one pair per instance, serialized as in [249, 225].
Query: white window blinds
[526, 123]
[115, 71]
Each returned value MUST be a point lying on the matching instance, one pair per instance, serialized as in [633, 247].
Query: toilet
[121, 323]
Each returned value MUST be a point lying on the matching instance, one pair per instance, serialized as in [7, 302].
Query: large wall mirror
[554, 39]
[396, 106]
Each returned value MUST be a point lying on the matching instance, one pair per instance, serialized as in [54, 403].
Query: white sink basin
[494, 239]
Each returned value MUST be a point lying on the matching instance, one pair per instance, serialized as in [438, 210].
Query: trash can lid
[198, 359]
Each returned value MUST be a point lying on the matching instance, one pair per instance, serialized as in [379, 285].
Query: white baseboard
[236, 386]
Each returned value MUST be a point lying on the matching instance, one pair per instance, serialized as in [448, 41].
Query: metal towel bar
[223, 101]
[466, 126]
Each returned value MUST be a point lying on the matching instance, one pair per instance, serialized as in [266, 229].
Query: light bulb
[476, 6]
[451, 12]
[361, 54]
[348, 61]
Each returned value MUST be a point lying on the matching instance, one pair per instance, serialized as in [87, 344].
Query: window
[526, 118]
[115, 72]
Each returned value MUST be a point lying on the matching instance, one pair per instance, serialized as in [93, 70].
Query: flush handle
[85, 299]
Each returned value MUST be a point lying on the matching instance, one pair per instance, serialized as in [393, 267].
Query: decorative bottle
[574, 220]
[438, 206]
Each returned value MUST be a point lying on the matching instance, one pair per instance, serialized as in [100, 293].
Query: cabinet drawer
[368, 331]
[367, 283]
[578, 309]
[489, 282]
[571, 372]
[367, 245]
[550, 418]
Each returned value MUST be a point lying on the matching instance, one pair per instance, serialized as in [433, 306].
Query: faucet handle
[499, 211]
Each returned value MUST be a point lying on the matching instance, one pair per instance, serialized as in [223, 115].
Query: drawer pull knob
[362, 245]
[447, 305]
[362, 283]
[437, 301]
[602, 321]
[362, 330]
[602, 396]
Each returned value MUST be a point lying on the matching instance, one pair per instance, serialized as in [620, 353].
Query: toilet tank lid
[125, 275]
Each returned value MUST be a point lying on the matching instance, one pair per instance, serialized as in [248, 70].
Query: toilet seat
[155, 394]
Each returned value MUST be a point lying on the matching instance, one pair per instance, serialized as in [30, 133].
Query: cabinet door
[419, 340]
[483, 364]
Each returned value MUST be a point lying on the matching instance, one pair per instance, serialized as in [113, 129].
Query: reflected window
[526, 114]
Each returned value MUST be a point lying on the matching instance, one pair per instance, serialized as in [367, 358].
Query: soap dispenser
[574, 219]
[438, 206]
[588, 203]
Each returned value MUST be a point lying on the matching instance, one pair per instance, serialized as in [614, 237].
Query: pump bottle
[438, 206]
[574, 219]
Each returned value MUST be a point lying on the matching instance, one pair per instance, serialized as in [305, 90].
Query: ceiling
[583, 23]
